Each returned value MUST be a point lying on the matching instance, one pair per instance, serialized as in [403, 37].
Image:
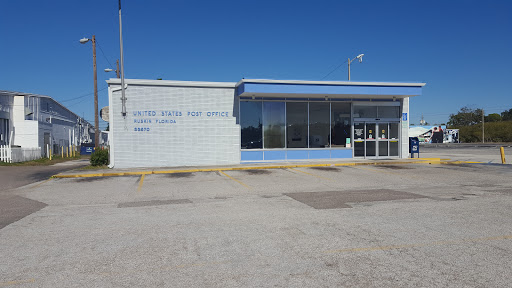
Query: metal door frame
[377, 122]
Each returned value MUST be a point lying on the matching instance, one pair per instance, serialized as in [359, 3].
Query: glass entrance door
[376, 139]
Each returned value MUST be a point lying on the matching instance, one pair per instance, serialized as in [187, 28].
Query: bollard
[50, 154]
[502, 151]
[62, 151]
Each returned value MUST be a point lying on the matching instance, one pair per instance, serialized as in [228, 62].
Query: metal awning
[330, 89]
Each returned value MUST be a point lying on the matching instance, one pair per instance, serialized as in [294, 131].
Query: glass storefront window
[383, 148]
[393, 130]
[340, 124]
[274, 125]
[370, 131]
[359, 131]
[319, 130]
[388, 112]
[251, 125]
[383, 131]
[371, 149]
[365, 111]
[393, 148]
[297, 124]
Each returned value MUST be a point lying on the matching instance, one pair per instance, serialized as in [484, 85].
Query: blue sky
[461, 49]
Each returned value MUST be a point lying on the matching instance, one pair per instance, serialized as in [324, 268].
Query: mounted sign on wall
[104, 113]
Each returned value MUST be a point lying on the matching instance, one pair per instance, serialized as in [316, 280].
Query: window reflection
[365, 111]
[274, 124]
[297, 124]
[319, 130]
[388, 112]
[340, 124]
[251, 125]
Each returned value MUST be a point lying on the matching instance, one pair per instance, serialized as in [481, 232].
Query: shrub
[99, 157]
[494, 132]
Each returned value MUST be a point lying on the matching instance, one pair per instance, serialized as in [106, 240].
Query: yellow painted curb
[110, 174]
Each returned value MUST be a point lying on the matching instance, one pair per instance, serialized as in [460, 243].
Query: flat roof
[334, 83]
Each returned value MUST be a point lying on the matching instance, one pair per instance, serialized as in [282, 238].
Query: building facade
[31, 121]
[186, 123]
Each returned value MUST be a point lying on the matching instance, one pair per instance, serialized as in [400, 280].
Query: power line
[85, 95]
[334, 70]
[104, 55]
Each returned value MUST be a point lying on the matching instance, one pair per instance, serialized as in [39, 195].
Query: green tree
[465, 117]
[494, 117]
[506, 115]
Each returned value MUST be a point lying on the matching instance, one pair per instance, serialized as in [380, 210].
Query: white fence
[18, 154]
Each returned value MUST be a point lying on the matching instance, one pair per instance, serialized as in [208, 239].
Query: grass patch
[45, 161]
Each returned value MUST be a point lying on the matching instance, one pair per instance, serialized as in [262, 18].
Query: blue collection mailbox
[414, 146]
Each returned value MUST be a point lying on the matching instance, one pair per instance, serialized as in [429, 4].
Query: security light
[84, 40]
[360, 57]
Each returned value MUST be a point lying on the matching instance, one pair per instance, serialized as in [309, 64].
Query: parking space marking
[238, 181]
[311, 174]
[40, 183]
[141, 182]
[437, 243]
[15, 282]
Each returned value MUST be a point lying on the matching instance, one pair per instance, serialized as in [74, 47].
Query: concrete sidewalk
[249, 166]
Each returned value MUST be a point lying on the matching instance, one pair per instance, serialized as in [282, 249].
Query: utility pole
[96, 121]
[117, 69]
[483, 126]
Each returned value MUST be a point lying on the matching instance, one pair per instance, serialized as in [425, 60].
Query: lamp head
[84, 40]
[360, 57]
[108, 70]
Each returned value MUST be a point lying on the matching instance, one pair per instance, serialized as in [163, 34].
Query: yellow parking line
[41, 183]
[311, 174]
[287, 166]
[382, 248]
[141, 182]
[15, 282]
[239, 182]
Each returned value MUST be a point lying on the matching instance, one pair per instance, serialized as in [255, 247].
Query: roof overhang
[331, 89]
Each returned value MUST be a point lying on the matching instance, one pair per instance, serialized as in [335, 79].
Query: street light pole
[349, 69]
[96, 121]
[360, 57]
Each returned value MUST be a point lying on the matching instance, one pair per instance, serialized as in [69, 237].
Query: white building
[186, 123]
[31, 121]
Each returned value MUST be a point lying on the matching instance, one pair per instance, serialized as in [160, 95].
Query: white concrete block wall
[191, 141]
[405, 129]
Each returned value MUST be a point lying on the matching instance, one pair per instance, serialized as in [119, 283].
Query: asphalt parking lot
[427, 225]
